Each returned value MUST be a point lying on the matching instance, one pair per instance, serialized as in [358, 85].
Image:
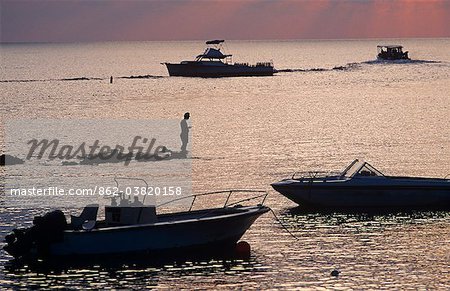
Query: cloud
[69, 20]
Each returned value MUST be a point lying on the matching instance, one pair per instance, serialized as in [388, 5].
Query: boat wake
[77, 79]
[357, 65]
[349, 66]
[81, 79]
[300, 70]
[377, 62]
[52, 80]
[143, 77]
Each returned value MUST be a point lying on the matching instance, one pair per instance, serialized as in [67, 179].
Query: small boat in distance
[136, 230]
[214, 63]
[361, 186]
[391, 52]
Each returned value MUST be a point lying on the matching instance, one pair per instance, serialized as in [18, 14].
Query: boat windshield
[361, 168]
[213, 54]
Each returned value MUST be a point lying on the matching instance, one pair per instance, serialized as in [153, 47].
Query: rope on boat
[335, 272]
[281, 223]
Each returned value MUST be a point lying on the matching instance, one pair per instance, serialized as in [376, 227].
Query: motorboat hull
[200, 69]
[434, 193]
[403, 56]
[188, 233]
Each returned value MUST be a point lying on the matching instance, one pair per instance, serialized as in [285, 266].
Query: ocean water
[331, 102]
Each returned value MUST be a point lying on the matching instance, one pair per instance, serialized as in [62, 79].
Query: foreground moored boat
[136, 230]
[360, 185]
[213, 63]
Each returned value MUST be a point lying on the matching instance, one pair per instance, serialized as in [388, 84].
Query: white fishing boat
[136, 230]
[361, 185]
[214, 63]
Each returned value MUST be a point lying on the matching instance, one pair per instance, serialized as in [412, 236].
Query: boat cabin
[392, 52]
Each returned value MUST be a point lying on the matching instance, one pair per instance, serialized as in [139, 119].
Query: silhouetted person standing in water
[184, 132]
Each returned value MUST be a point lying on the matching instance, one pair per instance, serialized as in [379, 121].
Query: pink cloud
[69, 20]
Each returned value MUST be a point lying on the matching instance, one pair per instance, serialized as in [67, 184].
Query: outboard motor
[45, 230]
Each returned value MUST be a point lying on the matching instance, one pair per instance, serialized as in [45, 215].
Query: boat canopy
[212, 53]
[215, 41]
[360, 168]
[390, 46]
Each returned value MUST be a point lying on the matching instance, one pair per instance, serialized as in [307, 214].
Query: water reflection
[374, 220]
[141, 272]
[392, 113]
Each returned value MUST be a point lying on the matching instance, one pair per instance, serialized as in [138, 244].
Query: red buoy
[243, 250]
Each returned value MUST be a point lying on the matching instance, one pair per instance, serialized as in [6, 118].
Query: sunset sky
[83, 20]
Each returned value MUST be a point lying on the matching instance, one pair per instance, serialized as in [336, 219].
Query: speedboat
[136, 230]
[214, 63]
[361, 185]
[391, 52]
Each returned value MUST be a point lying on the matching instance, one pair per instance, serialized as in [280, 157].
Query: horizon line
[202, 40]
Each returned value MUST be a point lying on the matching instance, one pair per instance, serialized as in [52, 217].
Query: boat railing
[258, 64]
[264, 64]
[262, 195]
[259, 194]
[242, 64]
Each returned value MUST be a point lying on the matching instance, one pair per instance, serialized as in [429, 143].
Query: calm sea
[331, 103]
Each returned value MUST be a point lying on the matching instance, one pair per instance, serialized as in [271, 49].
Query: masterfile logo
[77, 162]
